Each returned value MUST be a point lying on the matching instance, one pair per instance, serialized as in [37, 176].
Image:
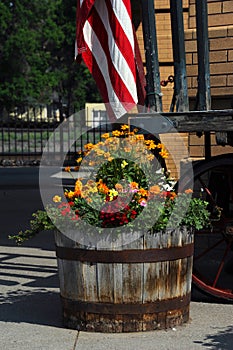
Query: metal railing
[24, 134]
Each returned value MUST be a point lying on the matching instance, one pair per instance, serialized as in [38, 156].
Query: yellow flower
[89, 146]
[78, 185]
[91, 163]
[151, 145]
[106, 135]
[164, 153]
[112, 193]
[150, 156]
[127, 149]
[99, 152]
[125, 127]
[107, 155]
[57, 199]
[140, 137]
[69, 194]
[116, 133]
[123, 164]
[79, 160]
[67, 169]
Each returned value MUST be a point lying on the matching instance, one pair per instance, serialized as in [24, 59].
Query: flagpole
[153, 88]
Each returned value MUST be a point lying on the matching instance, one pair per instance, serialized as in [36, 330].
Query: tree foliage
[37, 55]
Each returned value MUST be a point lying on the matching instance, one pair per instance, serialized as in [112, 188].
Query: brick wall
[220, 24]
[220, 21]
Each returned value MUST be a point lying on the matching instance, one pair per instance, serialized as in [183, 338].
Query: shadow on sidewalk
[37, 306]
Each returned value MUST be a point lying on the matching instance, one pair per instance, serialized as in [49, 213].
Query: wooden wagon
[213, 176]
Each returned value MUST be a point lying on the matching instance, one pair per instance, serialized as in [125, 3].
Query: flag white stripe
[118, 59]
[94, 45]
[124, 19]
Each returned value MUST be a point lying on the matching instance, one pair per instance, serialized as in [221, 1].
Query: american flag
[107, 44]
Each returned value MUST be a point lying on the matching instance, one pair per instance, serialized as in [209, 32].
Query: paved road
[30, 309]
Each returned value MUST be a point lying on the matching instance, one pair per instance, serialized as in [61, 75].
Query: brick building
[220, 24]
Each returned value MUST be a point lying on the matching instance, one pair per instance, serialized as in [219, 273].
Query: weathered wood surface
[122, 297]
[192, 121]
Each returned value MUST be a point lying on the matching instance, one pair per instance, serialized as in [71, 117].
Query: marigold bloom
[89, 146]
[105, 136]
[69, 194]
[57, 199]
[150, 156]
[143, 192]
[140, 137]
[79, 160]
[67, 169]
[102, 187]
[127, 149]
[154, 189]
[116, 133]
[124, 127]
[91, 163]
[119, 187]
[107, 155]
[78, 185]
[151, 145]
[164, 153]
[133, 186]
[188, 191]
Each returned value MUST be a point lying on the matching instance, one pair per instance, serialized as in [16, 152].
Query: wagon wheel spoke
[213, 253]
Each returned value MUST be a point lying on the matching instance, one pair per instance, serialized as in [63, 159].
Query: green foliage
[124, 181]
[41, 221]
[37, 54]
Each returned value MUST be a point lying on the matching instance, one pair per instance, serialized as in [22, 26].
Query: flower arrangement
[127, 181]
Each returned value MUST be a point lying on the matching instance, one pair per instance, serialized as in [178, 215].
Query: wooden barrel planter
[143, 286]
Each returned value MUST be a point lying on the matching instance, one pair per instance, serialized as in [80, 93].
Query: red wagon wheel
[213, 252]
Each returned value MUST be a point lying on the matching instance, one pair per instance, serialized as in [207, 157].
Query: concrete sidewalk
[30, 309]
[30, 312]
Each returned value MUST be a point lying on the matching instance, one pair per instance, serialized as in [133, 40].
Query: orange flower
[102, 187]
[89, 146]
[119, 187]
[154, 190]
[78, 186]
[67, 169]
[143, 192]
[188, 191]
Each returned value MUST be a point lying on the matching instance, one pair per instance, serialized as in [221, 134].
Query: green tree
[37, 55]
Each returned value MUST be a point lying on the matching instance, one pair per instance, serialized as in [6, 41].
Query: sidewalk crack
[76, 341]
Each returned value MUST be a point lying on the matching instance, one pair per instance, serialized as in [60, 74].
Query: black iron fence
[24, 134]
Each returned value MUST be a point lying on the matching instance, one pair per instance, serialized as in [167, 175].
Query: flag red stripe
[123, 93]
[125, 46]
[106, 42]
